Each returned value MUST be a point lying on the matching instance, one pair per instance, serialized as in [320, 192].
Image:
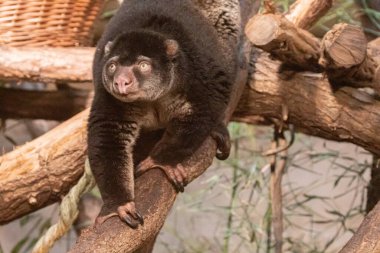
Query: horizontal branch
[314, 107]
[45, 64]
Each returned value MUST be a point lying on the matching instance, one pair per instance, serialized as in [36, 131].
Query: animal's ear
[107, 48]
[171, 48]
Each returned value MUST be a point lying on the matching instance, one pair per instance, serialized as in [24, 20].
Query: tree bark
[366, 238]
[305, 13]
[345, 58]
[45, 64]
[284, 41]
[40, 172]
[342, 54]
[339, 42]
[315, 108]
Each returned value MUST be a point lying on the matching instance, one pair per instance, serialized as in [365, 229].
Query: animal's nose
[121, 81]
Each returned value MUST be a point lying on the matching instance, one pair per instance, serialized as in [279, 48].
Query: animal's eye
[112, 67]
[144, 66]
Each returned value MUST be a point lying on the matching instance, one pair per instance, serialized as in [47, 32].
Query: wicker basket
[63, 23]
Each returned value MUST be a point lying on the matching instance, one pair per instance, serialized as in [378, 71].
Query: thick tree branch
[315, 108]
[40, 172]
[345, 58]
[342, 53]
[45, 64]
[284, 41]
[305, 13]
[366, 238]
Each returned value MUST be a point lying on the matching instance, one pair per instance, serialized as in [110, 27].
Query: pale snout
[124, 81]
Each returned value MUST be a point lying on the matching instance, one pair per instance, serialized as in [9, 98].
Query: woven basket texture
[58, 23]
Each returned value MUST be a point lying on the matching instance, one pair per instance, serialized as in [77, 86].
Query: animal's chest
[159, 115]
[156, 117]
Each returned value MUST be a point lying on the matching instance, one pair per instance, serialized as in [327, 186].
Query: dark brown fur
[186, 92]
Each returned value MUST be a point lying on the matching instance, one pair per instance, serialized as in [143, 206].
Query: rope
[68, 211]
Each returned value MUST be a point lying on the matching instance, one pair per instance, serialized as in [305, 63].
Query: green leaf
[31, 245]
[19, 245]
[24, 220]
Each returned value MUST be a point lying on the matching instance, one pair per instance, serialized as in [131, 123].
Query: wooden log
[345, 58]
[51, 105]
[315, 108]
[344, 46]
[276, 35]
[305, 13]
[45, 64]
[40, 172]
[366, 239]
[344, 50]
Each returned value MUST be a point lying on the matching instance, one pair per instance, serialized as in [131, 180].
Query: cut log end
[344, 46]
[346, 58]
[285, 42]
[262, 29]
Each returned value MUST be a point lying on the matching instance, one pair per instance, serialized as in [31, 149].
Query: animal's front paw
[126, 213]
[177, 174]
[222, 137]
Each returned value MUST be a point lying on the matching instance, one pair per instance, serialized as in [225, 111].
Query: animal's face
[139, 66]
